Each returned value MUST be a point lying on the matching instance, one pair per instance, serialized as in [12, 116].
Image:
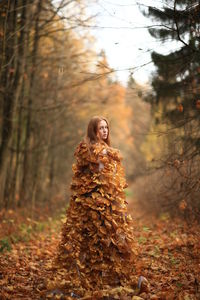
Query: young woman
[96, 251]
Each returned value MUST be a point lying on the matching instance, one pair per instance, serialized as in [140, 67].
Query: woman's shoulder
[91, 148]
[96, 148]
[103, 148]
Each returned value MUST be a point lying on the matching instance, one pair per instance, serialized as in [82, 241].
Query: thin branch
[178, 32]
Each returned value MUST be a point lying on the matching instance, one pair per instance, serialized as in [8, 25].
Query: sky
[120, 29]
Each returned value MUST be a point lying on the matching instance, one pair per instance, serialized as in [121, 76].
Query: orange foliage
[198, 104]
[180, 107]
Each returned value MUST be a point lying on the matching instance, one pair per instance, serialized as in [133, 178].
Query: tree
[37, 45]
[177, 93]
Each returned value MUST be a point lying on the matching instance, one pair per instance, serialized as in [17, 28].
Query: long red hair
[92, 129]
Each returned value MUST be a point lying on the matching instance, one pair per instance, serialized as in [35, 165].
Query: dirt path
[168, 256]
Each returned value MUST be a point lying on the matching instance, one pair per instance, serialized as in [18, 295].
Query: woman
[96, 252]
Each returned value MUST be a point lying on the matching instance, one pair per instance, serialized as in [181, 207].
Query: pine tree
[176, 81]
[176, 89]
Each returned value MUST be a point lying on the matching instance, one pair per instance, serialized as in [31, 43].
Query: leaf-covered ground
[169, 256]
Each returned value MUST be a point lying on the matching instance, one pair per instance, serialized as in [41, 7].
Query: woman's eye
[102, 128]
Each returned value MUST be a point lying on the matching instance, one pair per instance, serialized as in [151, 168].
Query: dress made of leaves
[97, 250]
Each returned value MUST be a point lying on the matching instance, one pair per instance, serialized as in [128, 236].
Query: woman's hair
[93, 128]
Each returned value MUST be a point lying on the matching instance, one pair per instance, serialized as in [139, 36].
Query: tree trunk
[25, 184]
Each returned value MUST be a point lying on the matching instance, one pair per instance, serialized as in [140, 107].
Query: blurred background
[135, 62]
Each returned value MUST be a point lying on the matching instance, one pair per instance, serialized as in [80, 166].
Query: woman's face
[102, 130]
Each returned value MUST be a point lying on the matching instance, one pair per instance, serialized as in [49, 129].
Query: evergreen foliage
[176, 93]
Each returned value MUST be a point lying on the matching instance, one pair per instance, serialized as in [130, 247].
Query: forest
[52, 82]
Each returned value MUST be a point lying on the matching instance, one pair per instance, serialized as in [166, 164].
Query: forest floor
[168, 254]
